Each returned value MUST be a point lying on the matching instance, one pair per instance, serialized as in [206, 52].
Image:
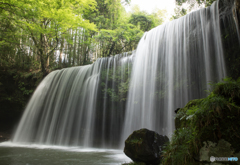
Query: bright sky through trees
[151, 5]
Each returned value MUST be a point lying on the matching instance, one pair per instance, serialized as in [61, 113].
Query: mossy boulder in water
[145, 146]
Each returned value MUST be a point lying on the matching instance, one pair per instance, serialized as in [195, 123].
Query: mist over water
[100, 105]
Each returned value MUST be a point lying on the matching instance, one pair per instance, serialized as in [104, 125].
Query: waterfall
[99, 105]
[174, 64]
[72, 107]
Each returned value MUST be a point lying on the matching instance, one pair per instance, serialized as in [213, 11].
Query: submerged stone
[145, 146]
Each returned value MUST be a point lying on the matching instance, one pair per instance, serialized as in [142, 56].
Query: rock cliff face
[145, 146]
[16, 88]
[237, 5]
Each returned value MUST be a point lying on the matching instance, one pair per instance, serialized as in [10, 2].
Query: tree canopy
[45, 22]
[48, 34]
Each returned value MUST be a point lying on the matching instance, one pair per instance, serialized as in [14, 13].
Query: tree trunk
[60, 55]
[79, 49]
[43, 67]
[47, 64]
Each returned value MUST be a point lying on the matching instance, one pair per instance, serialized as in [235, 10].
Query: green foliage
[209, 119]
[180, 149]
[40, 25]
[179, 12]
[228, 89]
[124, 38]
[120, 31]
[17, 86]
[22, 87]
[145, 21]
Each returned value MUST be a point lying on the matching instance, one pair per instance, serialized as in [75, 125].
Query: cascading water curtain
[174, 63]
[72, 107]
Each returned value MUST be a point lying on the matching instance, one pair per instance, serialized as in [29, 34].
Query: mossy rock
[229, 90]
[213, 118]
[145, 146]
[180, 121]
[222, 149]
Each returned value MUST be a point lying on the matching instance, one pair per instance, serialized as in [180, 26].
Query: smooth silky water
[20, 154]
[76, 113]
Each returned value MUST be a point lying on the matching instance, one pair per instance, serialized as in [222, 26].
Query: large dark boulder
[145, 146]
